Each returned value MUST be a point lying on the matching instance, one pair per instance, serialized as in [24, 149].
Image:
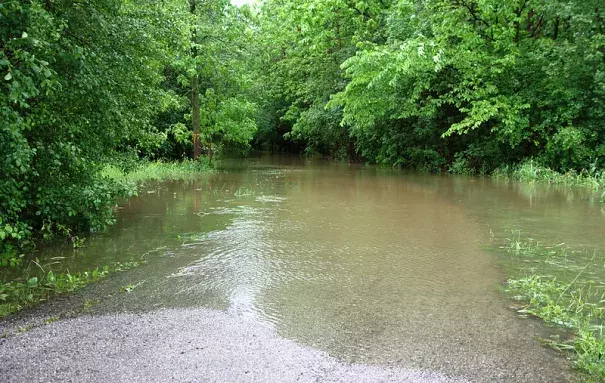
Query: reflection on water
[371, 265]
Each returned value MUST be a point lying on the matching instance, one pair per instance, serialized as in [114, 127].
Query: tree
[304, 44]
[217, 44]
[77, 80]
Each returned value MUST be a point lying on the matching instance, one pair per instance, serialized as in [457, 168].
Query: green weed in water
[16, 295]
[244, 192]
[159, 171]
[130, 288]
[52, 319]
[531, 171]
[565, 294]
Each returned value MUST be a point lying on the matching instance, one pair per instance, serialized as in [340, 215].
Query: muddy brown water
[370, 265]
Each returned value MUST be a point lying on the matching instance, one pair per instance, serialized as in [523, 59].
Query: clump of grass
[564, 295]
[130, 288]
[244, 192]
[28, 291]
[577, 308]
[52, 319]
[24, 292]
[531, 171]
[159, 171]
[89, 304]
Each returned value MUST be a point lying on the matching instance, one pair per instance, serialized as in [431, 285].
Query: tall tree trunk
[518, 22]
[195, 93]
[556, 31]
[195, 117]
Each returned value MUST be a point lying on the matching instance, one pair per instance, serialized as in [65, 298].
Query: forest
[445, 86]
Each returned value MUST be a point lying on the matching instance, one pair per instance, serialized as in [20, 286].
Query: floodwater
[372, 266]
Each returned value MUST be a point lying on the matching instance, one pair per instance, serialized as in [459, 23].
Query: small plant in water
[16, 295]
[532, 171]
[130, 288]
[89, 304]
[52, 319]
[244, 192]
[573, 301]
[123, 266]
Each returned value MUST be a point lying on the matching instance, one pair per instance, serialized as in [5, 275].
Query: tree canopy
[438, 85]
[86, 83]
[433, 83]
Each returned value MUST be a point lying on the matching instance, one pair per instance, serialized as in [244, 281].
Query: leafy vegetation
[563, 288]
[85, 85]
[27, 291]
[529, 171]
[30, 290]
[464, 86]
[158, 171]
[86, 90]
[438, 85]
[89, 89]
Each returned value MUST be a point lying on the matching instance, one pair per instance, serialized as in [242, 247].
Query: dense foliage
[85, 83]
[442, 85]
[90, 87]
[460, 85]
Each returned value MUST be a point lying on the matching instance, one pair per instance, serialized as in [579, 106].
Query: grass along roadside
[29, 291]
[564, 288]
[531, 171]
[35, 284]
[158, 171]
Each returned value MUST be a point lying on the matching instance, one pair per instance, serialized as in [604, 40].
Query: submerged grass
[29, 291]
[39, 285]
[569, 292]
[531, 171]
[159, 171]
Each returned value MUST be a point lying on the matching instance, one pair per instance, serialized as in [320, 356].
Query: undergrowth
[158, 171]
[30, 290]
[16, 294]
[531, 171]
[567, 292]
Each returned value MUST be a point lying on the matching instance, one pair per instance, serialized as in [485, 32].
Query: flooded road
[370, 266]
